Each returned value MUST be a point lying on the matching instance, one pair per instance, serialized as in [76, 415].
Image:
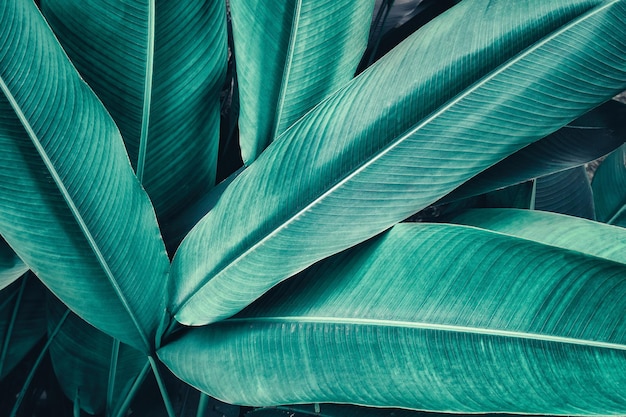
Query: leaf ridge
[147, 93]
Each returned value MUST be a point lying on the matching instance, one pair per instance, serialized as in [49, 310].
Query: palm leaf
[587, 138]
[11, 266]
[290, 56]
[131, 54]
[395, 140]
[434, 317]
[72, 207]
[608, 185]
[89, 365]
[566, 192]
[22, 323]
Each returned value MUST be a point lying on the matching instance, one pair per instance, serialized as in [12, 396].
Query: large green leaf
[93, 369]
[158, 66]
[429, 316]
[396, 139]
[70, 204]
[11, 266]
[22, 321]
[566, 192]
[587, 138]
[609, 189]
[291, 55]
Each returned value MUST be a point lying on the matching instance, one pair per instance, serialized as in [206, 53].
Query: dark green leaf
[566, 192]
[11, 266]
[609, 189]
[396, 139]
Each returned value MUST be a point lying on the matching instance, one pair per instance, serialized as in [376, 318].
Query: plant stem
[7, 338]
[203, 403]
[133, 390]
[31, 374]
[115, 351]
[166, 398]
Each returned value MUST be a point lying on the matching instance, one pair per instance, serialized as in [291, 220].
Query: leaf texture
[291, 55]
[395, 140]
[158, 67]
[70, 204]
[566, 192]
[434, 317]
[89, 364]
[11, 266]
[609, 189]
[587, 138]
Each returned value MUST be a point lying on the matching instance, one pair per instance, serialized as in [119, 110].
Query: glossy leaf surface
[158, 67]
[291, 55]
[435, 317]
[609, 189]
[70, 204]
[395, 140]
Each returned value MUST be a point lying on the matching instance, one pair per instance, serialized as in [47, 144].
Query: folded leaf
[11, 266]
[396, 139]
[291, 55]
[435, 317]
[609, 189]
[158, 66]
[90, 365]
[566, 192]
[587, 138]
[70, 204]
[22, 321]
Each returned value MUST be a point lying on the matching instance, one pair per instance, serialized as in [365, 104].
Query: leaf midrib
[72, 206]
[427, 326]
[400, 139]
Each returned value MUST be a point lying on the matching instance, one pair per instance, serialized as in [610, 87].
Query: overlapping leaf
[158, 67]
[435, 317]
[396, 139]
[566, 192]
[609, 189]
[70, 204]
[91, 367]
[291, 55]
[11, 266]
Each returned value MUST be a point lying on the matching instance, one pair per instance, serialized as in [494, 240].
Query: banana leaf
[566, 192]
[71, 206]
[436, 317]
[93, 369]
[396, 139]
[290, 56]
[131, 54]
[22, 321]
[609, 189]
[11, 266]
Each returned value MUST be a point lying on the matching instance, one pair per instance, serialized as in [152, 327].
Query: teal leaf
[291, 55]
[436, 317]
[396, 140]
[566, 192]
[70, 204]
[131, 53]
[609, 189]
[11, 266]
[22, 321]
[587, 138]
[89, 364]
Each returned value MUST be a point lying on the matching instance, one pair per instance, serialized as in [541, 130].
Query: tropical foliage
[221, 212]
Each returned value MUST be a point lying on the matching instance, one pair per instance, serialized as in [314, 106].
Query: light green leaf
[566, 192]
[11, 266]
[158, 67]
[22, 321]
[90, 365]
[291, 55]
[587, 138]
[70, 204]
[572, 233]
[434, 317]
[400, 136]
[609, 189]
